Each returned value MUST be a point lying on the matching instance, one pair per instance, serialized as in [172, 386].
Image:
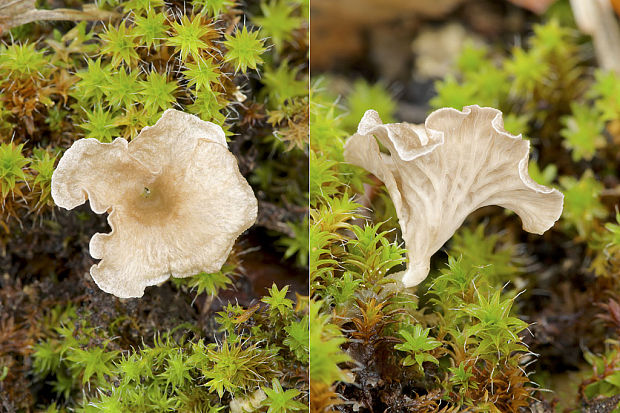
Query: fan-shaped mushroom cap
[176, 199]
[440, 172]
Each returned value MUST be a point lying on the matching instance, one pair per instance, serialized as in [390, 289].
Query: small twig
[611, 192]
[274, 217]
[14, 13]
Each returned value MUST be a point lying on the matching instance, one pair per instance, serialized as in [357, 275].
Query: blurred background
[407, 45]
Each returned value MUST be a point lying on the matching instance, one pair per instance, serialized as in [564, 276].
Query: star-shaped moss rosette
[175, 197]
[440, 172]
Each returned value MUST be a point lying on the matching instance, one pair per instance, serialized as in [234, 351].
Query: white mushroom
[176, 199]
[440, 172]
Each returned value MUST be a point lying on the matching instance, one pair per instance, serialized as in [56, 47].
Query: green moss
[460, 341]
[65, 81]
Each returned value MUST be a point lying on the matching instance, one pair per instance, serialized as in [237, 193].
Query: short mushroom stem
[416, 273]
